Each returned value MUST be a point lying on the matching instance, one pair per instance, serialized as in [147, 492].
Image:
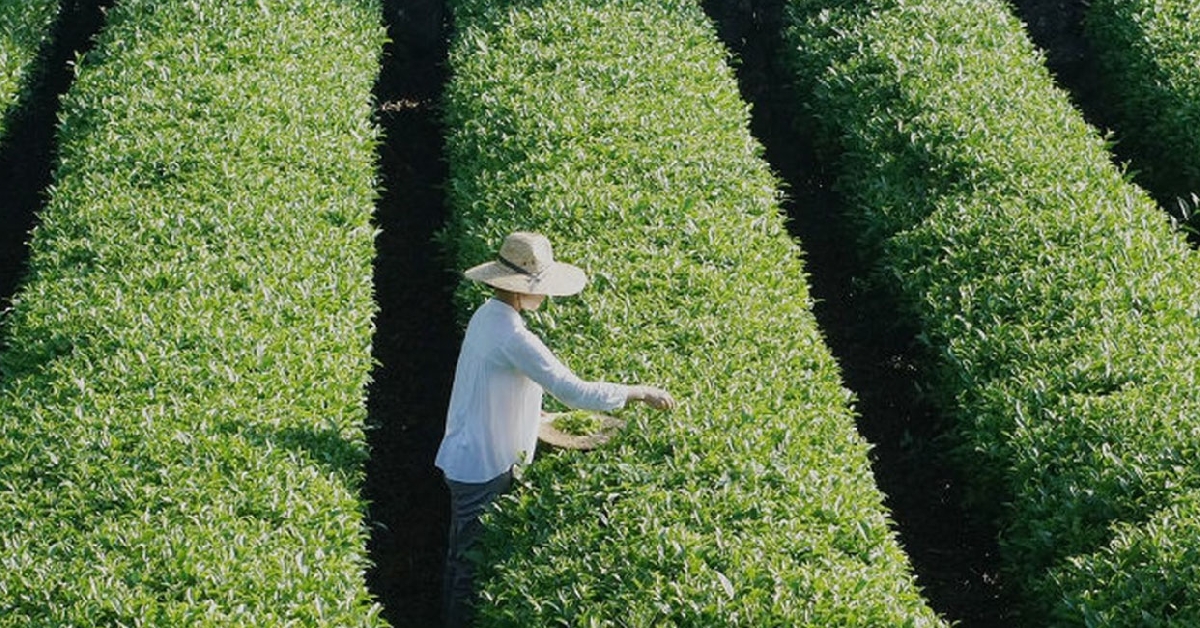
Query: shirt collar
[507, 310]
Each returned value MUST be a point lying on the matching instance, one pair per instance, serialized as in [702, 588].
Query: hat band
[509, 264]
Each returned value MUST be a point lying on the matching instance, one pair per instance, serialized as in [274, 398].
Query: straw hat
[526, 265]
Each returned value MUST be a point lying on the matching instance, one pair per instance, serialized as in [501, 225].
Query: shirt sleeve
[533, 358]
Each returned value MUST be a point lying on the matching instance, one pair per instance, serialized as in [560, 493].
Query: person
[495, 403]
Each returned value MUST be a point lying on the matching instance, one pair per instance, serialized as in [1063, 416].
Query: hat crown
[530, 252]
[526, 264]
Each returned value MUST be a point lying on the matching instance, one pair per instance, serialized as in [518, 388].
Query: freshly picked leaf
[577, 423]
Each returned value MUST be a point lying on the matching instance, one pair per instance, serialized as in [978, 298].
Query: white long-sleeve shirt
[496, 402]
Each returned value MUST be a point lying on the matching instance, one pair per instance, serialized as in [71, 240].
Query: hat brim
[559, 280]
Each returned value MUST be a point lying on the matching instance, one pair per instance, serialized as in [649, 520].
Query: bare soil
[416, 340]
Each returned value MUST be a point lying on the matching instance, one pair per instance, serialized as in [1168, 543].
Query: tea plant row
[1149, 66]
[25, 26]
[617, 129]
[181, 410]
[1058, 304]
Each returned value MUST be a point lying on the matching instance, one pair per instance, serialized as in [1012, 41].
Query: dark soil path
[416, 339]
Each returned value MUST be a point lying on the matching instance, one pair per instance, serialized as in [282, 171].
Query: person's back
[493, 405]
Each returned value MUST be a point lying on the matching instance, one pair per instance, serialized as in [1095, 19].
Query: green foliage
[578, 423]
[24, 27]
[1148, 54]
[616, 128]
[1149, 576]
[1059, 306]
[182, 403]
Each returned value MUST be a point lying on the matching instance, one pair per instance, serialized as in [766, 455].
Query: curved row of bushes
[1060, 308]
[24, 27]
[1148, 55]
[182, 401]
[615, 127]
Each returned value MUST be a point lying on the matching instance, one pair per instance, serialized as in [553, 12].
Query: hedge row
[1148, 576]
[1148, 53]
[616, 128]
[24, 28]
[1060, 308]
[183, 384]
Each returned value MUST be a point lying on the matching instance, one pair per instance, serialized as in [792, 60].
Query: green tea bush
[1148, 576]
[25, 26]
[1059, 305]
[1148, 54]
[182, 401]
[616, 128]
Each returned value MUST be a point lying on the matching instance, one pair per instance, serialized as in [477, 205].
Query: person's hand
[656, 398]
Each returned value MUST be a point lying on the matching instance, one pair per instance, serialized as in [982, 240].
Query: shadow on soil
[416, 339]
[953, 556]
[28, 154]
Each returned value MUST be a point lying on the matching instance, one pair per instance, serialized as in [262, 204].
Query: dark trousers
[467, 503]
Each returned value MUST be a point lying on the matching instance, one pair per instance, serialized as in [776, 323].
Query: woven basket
[554, 437]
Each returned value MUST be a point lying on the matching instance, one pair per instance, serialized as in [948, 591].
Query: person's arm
[531, 356]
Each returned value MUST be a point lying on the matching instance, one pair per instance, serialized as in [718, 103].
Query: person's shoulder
[496, 313]
[491, 325]
[524, 340]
